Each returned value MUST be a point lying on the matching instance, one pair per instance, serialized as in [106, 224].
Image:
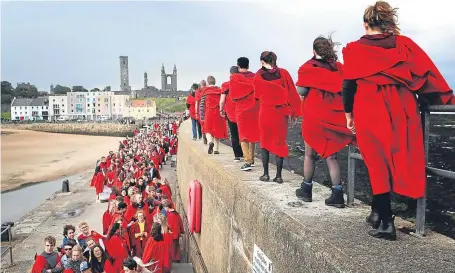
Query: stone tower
[145, 79]
[165, 78]
[124, 74]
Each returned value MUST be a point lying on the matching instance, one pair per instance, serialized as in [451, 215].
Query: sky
[79, 42]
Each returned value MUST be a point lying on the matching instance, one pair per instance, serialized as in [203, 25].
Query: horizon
[82, 47]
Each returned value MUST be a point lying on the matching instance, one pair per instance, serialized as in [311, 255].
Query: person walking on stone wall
[227, 109]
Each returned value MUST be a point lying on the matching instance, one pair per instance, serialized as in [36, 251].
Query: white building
[58, 105]
[30, 109]
[76, 105]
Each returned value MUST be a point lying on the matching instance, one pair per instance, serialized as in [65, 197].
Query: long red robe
[117, 247]
[215, 124]
[176, 226]
[324, 122]
[156, 251]
[279, 100]
[138, 245]
[386, 114]
[191, 100]
[247, 108]
[229, 104]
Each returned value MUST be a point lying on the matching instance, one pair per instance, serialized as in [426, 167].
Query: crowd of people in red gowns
[140, 227]
[371, 101]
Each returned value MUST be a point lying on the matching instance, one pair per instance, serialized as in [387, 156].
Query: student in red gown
[201, 101]
[139, 232]
[324, 124]
[279, 102]
[100, 179]
[157, 250]
[247, 110]
[175, 224]
[116, 245]
[215, 124]
[383, 72]
[227, 109]
[191, 105]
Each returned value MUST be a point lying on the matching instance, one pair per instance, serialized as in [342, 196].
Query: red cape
[214, 123]
[229, 104]
[156, 251]
[278, 100]
[324, 122]
[247, 108]
[191, 100]
[386, 114]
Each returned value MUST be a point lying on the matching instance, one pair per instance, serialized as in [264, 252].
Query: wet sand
[30, 156]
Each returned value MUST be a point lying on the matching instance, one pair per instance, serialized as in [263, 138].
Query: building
[118, 103]
[30, 109]
[140, 109]
[76, 105]
[58, 106]
[124, 74]
[165, 78]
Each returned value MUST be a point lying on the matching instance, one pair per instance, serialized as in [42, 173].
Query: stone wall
[239, 211]
[98, 129]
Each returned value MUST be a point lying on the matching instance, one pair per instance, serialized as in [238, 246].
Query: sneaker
[278, 180]
[265, 178]
[252, 165]
[246, 167]
[336, 199]
[305, 192]
[237, 159]
[216, 153]
[210, 151]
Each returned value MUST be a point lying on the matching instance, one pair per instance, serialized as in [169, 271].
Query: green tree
[79, 88]
[7, 92]
[95, 90]
[107, 88]
[26, 90]
[59, 89]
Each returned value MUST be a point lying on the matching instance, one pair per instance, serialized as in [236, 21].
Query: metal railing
[10, 243]
[188, 238]
[421, 202]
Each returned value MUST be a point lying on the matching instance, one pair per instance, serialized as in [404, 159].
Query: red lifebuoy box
[195, 206]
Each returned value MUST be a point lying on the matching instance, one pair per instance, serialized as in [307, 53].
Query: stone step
[182, 268]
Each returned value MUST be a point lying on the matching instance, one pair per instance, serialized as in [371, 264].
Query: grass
[170, 105]
[6, 115]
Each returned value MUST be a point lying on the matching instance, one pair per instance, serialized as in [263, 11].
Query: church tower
[163, 78]
[145, 80]
[174, 79]
[124, 74]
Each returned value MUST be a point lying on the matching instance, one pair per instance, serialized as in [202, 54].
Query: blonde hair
[382, 16]
[163, 220]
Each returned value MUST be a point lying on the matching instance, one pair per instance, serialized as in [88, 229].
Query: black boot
[336, 199]
[211, 144]
[305, 192]
[265, 178]
[386, 230]
[373, 219]
[278, 180]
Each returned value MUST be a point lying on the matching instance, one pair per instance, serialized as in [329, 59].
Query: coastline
[31, 157]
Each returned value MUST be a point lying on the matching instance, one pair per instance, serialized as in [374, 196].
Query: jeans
[199, 129]
[194, 127]
[235, 141]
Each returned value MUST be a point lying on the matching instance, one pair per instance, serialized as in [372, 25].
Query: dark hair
[156, 232]
[234, 70]
[325, 48]
[66, 228]
[71, 242]
[130, 263]
[95, 265]
[195, 86]
[243, 62]
[122, 205]
[269, 58]
[382, 16]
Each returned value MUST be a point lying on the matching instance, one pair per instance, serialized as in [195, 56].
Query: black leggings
[309, 166]
[265, 163]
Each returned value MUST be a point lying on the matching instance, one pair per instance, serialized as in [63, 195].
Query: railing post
[351, 175]
[10, 244]
[422, 202]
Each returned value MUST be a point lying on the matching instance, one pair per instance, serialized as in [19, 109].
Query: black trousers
[235, 140]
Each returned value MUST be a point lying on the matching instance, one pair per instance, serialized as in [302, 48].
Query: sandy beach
[30, 156]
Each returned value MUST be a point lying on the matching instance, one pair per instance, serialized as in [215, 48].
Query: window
[42, 107]
[88, 99]
[15, 113]
[88, 104]
[56, 106]
[63, 110]
[56, 112]
[106, 100]
[72, 111]
[20, 108]
[99, 110]
[114, 104]
[99, 105]
[63, 105]
[63, 100]
[47, 107]
[20, 113]
[72, 105]
[98, 99]
[79, 108]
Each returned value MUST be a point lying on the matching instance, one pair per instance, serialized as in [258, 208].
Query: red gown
[215, 124]
[199, 93]
[229, 104]
[247, 108]
[138, 245]
[278, 101]
[324, 122]
[117, 247]
[156, 251]
[176, 226]
[99, 183]
[386, 113]
[191, 100]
